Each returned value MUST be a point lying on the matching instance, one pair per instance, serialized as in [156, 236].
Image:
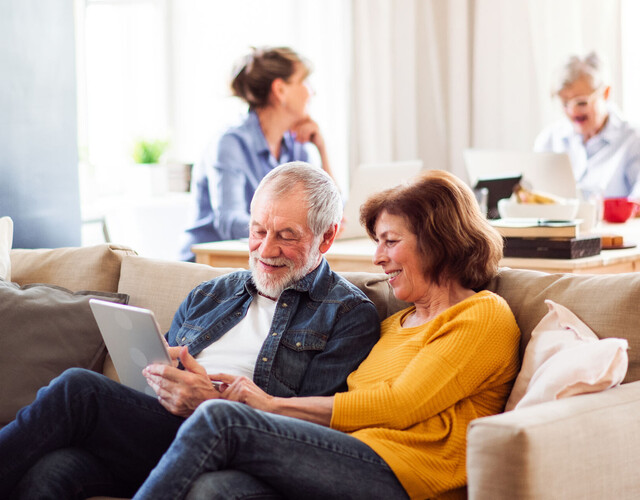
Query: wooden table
[357, 255]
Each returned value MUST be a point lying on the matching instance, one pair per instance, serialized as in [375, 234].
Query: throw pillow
[6, 240]
[44, 329]
[565, 358]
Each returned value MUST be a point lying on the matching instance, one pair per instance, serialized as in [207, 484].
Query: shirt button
[284, 304]
[274, 334]
[184, 338]
[238, 313]
[298, 344]
[265, 359]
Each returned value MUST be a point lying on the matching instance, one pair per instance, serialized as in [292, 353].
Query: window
[160, 69]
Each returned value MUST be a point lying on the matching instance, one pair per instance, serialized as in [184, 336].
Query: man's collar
[316, 283]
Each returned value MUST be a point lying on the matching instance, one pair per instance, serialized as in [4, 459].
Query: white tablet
[133, 339]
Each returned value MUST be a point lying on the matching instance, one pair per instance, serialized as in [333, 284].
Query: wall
[38, 129]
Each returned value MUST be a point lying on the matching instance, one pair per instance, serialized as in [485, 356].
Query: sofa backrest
[609, 304]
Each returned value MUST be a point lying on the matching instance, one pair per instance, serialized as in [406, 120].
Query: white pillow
[6, 240]
[565, 358]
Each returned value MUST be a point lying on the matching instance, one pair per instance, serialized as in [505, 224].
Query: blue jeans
[84, 435]
[278, 457]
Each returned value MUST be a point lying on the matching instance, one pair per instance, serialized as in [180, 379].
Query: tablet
[133, 339]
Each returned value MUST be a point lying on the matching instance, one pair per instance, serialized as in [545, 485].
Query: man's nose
[269, 247]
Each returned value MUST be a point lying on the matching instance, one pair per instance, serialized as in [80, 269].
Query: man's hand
[180, 391]
[244, 390]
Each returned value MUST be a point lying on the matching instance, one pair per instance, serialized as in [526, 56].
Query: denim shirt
[322, 328]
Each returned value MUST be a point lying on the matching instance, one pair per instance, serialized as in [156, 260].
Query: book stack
[543, 238]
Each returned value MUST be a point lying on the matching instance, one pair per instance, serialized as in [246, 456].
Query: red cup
[619, 209]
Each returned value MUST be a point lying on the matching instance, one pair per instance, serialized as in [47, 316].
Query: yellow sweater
[412, 398]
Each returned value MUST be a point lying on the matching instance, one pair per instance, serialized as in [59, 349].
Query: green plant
[149, 151]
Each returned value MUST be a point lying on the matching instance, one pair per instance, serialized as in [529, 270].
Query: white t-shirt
[236, 351]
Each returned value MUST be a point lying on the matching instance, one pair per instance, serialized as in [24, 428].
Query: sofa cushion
[82, 268]
[565, 358]
[608, 304]
[6, 239]
[44, 329]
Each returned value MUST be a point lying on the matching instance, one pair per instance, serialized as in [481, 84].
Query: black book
[552, 248]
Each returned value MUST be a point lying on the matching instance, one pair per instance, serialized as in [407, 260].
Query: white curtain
[411, 81]
[518, 47]
[433, 77]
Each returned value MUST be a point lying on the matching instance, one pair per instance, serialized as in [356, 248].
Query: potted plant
[154, 176]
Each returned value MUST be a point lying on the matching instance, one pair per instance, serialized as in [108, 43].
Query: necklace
[267, 296]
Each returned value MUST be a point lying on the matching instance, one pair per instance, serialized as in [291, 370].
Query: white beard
[273, 287]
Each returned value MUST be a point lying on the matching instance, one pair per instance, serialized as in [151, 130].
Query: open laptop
[368, 179]
[545, 172]
[133, 339]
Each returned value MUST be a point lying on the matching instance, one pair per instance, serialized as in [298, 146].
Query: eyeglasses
[580, 103]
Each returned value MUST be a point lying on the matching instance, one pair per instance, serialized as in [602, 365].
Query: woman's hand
[244, 390]
[307, 130]
[180, 391]
[316, 409]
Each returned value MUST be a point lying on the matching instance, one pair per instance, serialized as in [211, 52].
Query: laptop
[368, 179]
[133, 339]
[545, 172]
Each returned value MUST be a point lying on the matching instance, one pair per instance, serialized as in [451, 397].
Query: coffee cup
[619, 209]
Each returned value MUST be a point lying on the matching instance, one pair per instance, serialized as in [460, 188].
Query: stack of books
[544, 238]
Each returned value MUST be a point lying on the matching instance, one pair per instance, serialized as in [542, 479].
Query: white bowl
[567, 209]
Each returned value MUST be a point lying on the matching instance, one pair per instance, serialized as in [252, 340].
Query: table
[357, 255]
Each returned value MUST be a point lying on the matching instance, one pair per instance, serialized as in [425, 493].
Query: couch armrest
[581, 447]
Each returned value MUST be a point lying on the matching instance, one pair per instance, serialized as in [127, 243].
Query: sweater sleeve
[465, 353]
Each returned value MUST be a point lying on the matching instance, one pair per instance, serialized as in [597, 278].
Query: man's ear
[328, 238]
[606, 92]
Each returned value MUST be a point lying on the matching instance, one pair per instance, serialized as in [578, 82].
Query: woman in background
[272, 81]
[400, 429]
[604, 149]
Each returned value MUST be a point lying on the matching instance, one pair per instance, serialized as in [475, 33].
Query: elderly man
[603, 147]
[290, 324]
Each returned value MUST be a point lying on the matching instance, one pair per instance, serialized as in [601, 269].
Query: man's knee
[222, 413]
[76, 377]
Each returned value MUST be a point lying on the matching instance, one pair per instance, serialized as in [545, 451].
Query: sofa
[578, 447]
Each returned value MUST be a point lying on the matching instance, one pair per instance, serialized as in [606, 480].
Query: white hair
[589, 67]
[322, 195]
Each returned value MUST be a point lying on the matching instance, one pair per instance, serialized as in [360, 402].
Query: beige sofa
[581, 447]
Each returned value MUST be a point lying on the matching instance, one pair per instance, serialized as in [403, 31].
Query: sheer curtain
[432, 77]
[518, 47]
[411, 81]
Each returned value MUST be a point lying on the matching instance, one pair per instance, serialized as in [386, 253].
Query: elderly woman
[272, 81]
[399, 431]
[603, 147]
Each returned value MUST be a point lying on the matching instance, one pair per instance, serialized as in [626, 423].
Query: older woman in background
[276, 129]
[400, 429]
[603, 147]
